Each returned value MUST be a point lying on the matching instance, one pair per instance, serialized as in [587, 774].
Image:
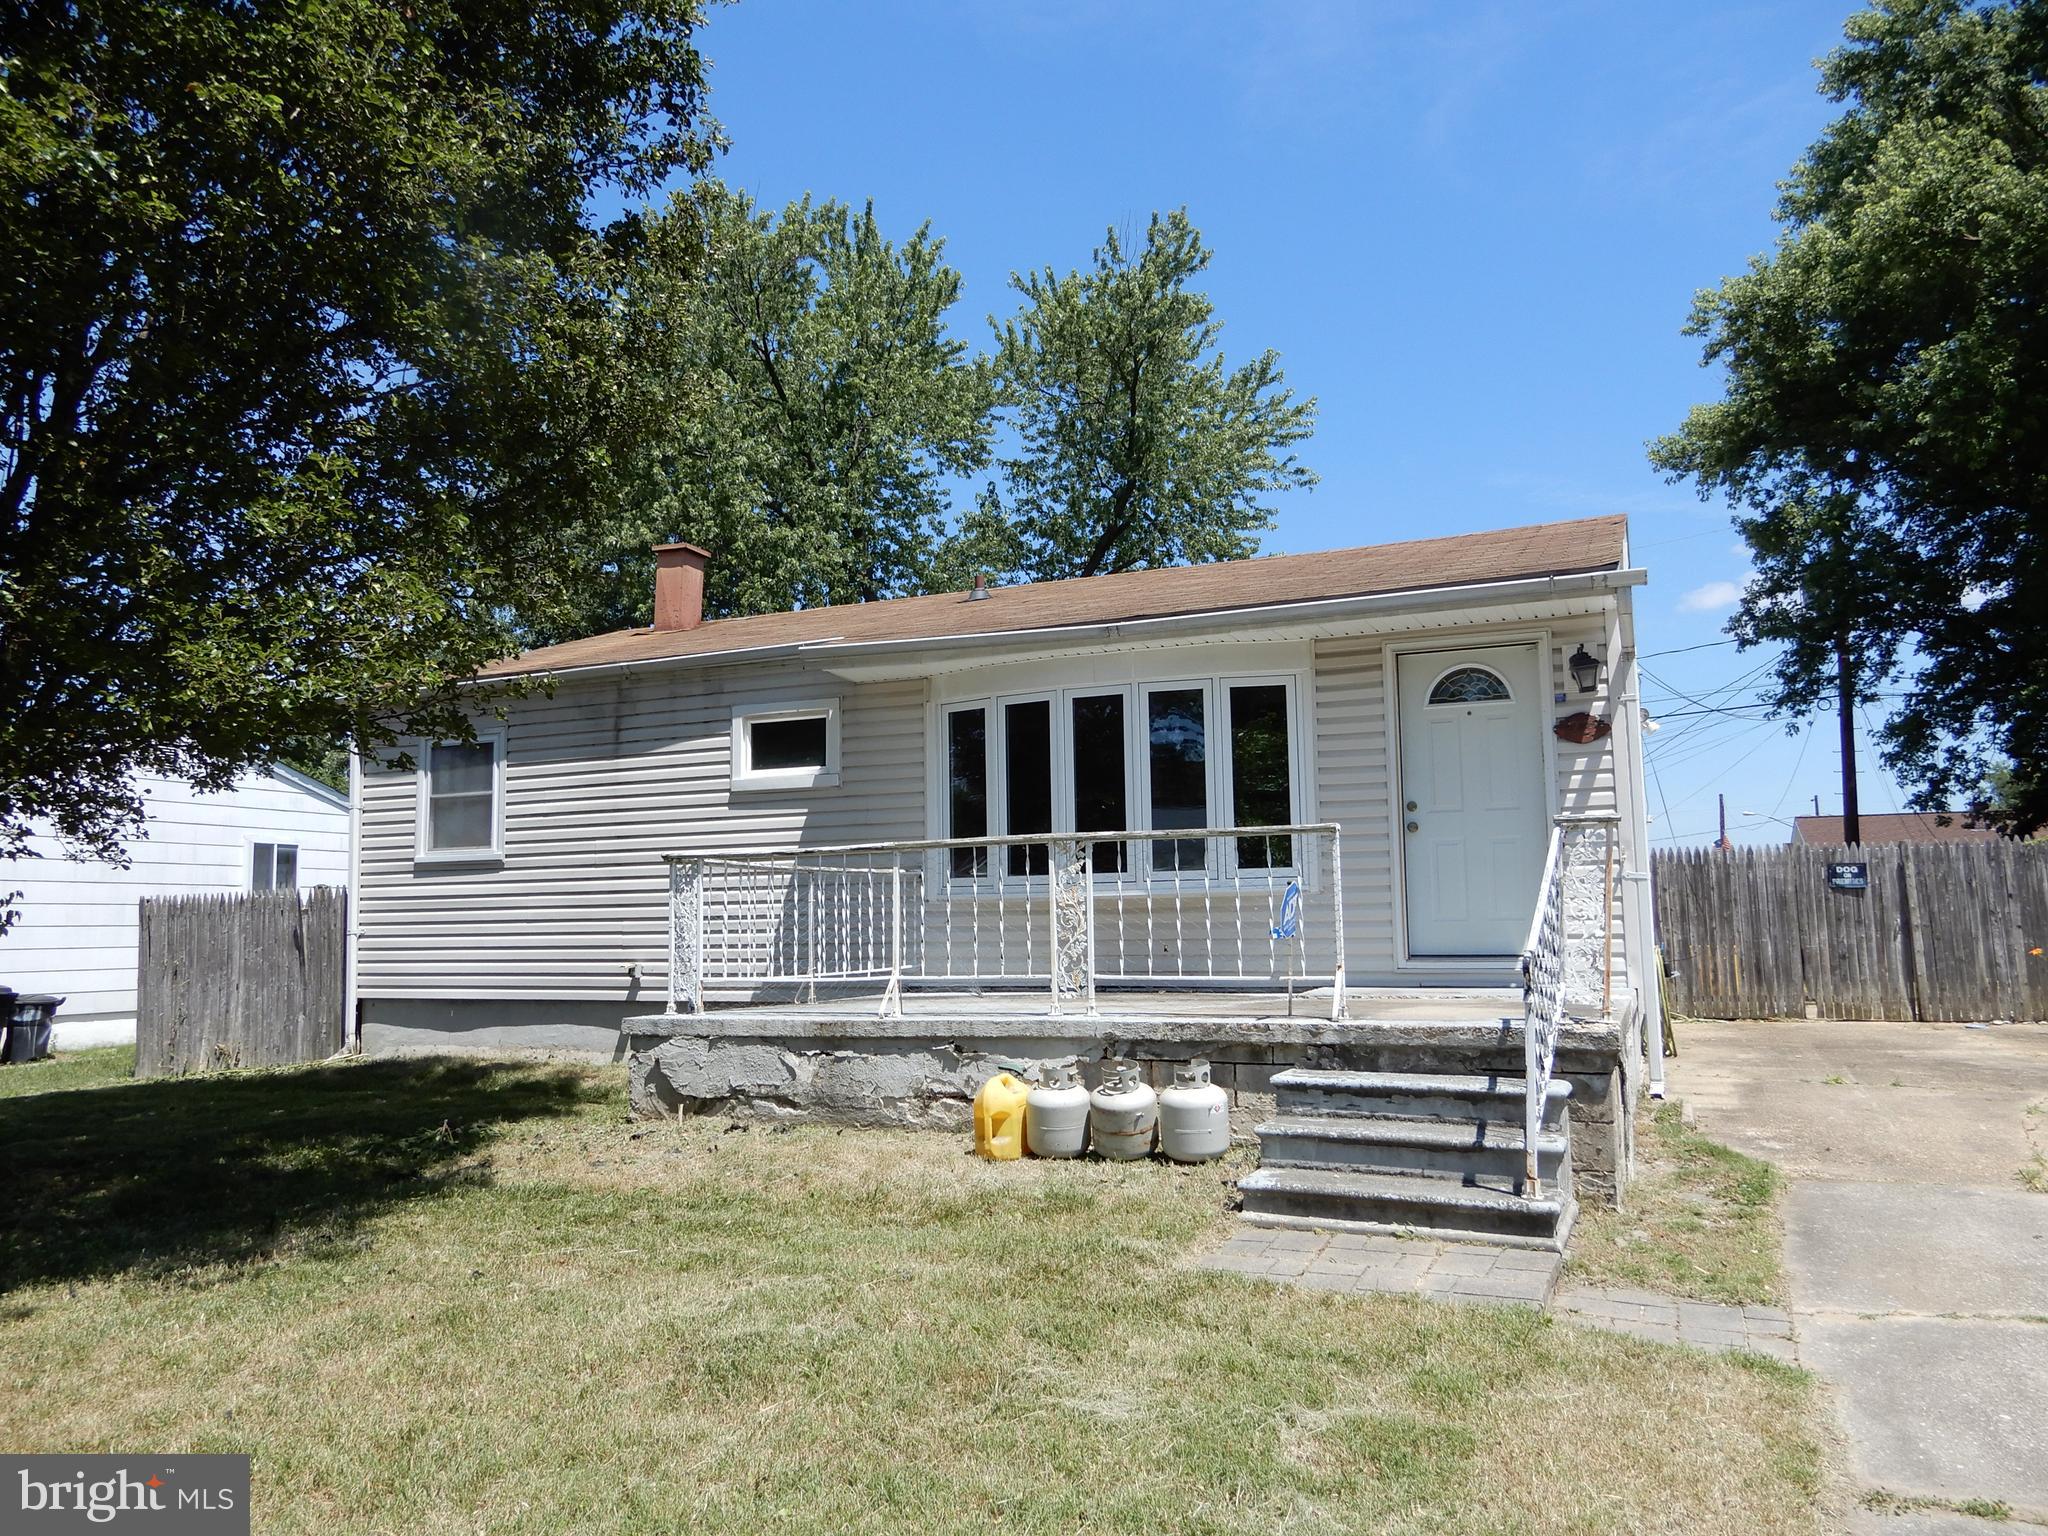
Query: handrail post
[1532, 1097]
[1052, 919]
[686, 936]
[1088, 918]
[892, 998]
[1339, 1008]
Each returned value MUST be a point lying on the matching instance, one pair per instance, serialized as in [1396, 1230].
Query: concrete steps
[1442, 1155]
[1483, 1154]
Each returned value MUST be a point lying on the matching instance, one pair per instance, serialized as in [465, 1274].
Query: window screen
[799, 743]
[462, 780]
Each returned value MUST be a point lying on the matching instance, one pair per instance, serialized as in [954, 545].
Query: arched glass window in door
[1468, 685]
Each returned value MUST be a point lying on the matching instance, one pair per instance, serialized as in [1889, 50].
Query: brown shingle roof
[1545, 549]
[1909, 827]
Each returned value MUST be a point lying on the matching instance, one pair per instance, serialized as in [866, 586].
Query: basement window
[792, 747]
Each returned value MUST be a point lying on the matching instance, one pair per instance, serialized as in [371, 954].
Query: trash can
[31, 1018]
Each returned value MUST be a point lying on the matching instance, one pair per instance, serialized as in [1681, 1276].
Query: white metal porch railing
[1570, 947]
[1192, 907]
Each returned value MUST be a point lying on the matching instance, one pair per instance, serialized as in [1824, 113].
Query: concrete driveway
[1916, 1253]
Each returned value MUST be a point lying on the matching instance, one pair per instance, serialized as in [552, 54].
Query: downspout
[1637, 904]
[351, 1026]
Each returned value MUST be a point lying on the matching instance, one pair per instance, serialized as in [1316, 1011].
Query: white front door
[1473, 816]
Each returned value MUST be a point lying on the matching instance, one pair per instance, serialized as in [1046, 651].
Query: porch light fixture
[1585, 669]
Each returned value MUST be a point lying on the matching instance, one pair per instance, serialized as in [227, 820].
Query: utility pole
[1724, 821]
[1845, 705]
[1816, 805]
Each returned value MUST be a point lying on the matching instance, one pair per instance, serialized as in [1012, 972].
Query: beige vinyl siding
[1352, 741]
[600, 781]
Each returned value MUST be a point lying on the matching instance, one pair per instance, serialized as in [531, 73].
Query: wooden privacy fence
[1943, 931]
[239, 981]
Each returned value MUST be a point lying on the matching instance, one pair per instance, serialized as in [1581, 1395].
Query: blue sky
[1472, 232]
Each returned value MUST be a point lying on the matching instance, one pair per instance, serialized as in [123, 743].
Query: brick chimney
[679, 585]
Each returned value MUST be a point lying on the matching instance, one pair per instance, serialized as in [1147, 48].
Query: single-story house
[1260, 810]
[75, 938]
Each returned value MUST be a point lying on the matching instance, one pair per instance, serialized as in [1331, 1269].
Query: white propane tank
[1123, 1114]
[1194, 1116]
[1056, 1115]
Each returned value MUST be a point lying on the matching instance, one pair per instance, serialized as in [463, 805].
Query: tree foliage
[306, 356]
[1884, 432]
[1137, 445]
[814, 409]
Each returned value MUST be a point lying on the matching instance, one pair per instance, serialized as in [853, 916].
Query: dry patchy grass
[472, 1297]
[1701, 1222]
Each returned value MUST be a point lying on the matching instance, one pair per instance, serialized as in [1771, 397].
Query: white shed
[76, 932]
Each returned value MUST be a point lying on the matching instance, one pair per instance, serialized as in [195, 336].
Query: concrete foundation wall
[398, 1026]
[912, 1075]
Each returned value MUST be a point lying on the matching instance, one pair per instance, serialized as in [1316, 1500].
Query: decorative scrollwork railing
[1251, 907]
[1568, 959]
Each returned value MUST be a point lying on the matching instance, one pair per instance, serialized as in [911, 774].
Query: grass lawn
[1702, 1221]
[470, 1296]
[69, 1069]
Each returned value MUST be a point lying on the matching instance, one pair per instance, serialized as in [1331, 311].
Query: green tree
[1136, 445]
[1884, 432]
[305, 358]
[814, 409]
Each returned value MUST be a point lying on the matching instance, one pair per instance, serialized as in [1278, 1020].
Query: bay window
[1151, 756]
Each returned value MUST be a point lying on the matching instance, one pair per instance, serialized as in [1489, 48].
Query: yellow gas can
[999, 1118]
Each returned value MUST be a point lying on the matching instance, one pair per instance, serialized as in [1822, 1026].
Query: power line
[1805, 739]
[1704, 645]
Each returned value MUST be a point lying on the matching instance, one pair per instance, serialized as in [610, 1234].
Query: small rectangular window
[1101, 794]
[273, 867]
[462, 785]
[967, 788]
[1177, 746]
[793, 747]
[1260, 776]
[1027, 781]
[798, 743]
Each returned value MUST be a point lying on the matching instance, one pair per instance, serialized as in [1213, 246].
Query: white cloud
[1712, 597]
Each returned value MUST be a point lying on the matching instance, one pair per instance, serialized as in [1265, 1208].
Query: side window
[459, 800]
[793, 747]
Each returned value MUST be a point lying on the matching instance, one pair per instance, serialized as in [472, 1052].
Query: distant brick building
[1909, 827]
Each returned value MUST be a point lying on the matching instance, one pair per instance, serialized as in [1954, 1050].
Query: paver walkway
[1360, 1264]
